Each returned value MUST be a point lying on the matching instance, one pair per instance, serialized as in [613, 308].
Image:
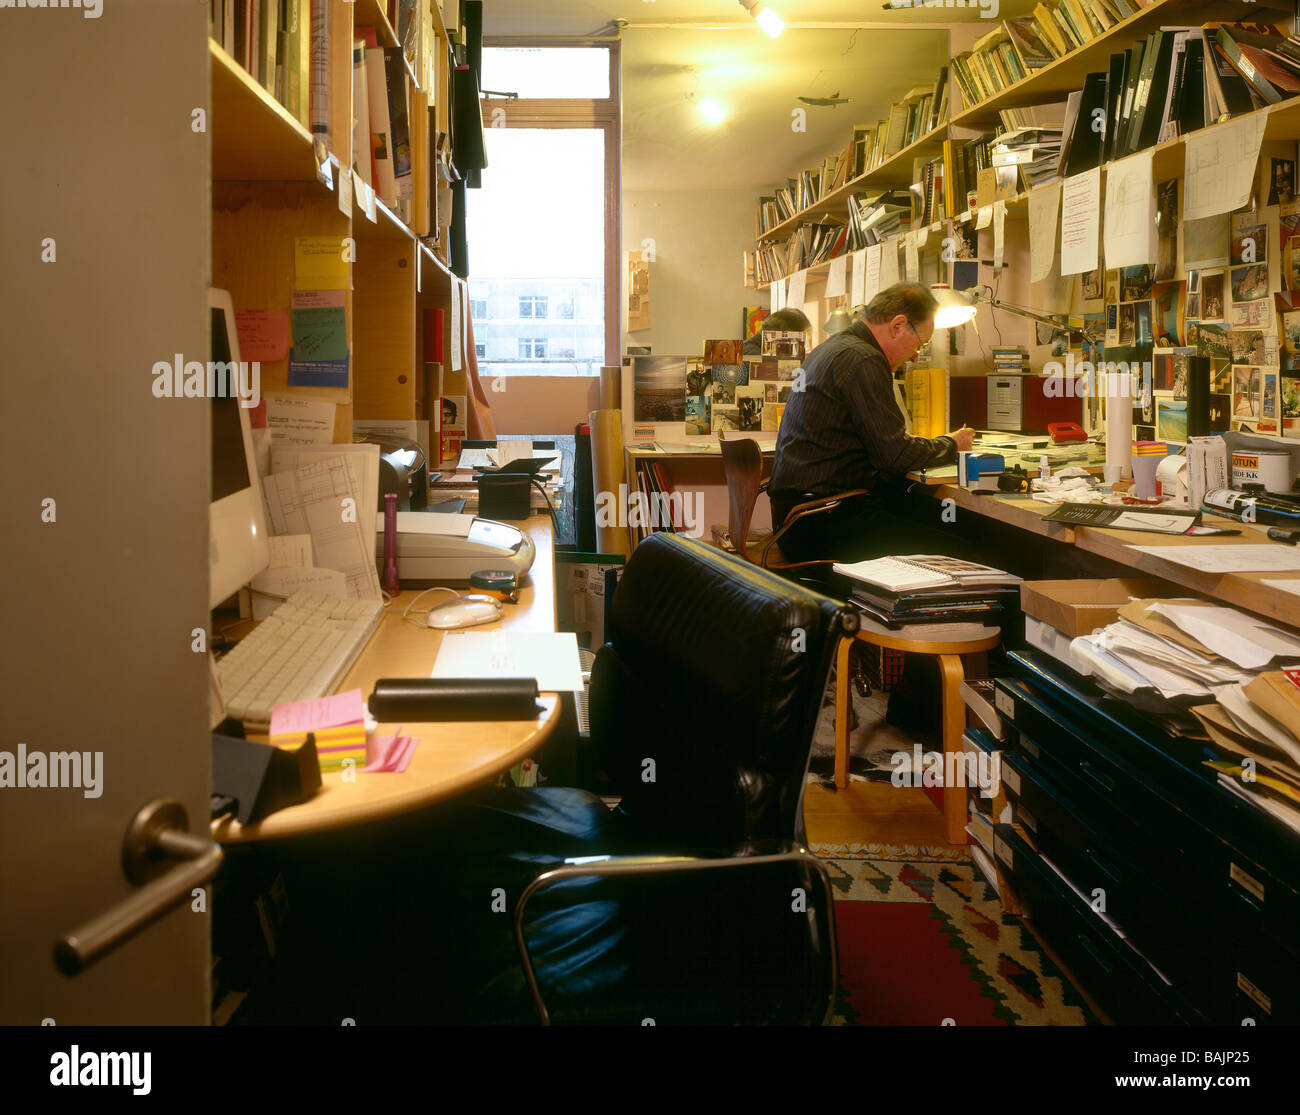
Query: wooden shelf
[254, 138]
[894, 171]
[1055, 81]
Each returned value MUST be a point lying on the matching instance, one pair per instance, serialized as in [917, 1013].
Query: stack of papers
[1224, 664]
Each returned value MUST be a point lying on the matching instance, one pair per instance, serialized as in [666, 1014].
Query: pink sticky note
[263, 334]
[389, 753]
[324, 712]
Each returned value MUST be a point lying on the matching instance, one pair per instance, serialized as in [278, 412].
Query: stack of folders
[899, 592]
[1235, 673]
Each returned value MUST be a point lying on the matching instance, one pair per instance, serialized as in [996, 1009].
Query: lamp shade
[838, 321]
[955, 308]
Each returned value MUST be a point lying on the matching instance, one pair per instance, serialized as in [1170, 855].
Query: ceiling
[586, 17]
[712, 48]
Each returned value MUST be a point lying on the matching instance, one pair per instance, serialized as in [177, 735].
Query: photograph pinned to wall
[749, 407]
[752, 322]
[967, 241]
[1289, 231]
[965, 274]
[1249, 240]
[1249, 283]
[1171, 420]
[763, 369]
[1127, 323]
[1144, 400]
[1170, 367]
[1167, 229]
[659, 388]
[725, 419]
[1281, 181]
[1291, 341]
[723, 352]
[1220, 412]
[1135, 283]
[1250, 346]
[787, 369]
[769, 391]
[1269, 404]
[726, 378]
[1194, 295]
[699, 414]
[1142, 323]
[1205, 243]
[1212, 296]
[1245, 392]
[1091, 285]
[1112, 288]
[699, 377]
[1144, 433]
[1112, 325]
[783, 346]
[772, 413]
[783, 391]
[1289, 393]
[1170, 304]
[1250, 315]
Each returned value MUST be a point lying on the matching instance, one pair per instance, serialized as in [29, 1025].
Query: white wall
[697, 288]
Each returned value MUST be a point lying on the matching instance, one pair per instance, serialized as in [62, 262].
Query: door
[105, 226]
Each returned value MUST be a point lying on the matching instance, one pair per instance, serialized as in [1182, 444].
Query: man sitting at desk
[845, 431]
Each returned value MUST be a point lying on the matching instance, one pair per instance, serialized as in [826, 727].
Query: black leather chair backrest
[704, 699]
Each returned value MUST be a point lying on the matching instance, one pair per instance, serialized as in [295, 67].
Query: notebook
[923, 571]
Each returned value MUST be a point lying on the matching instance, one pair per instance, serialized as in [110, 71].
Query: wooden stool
[949, 651]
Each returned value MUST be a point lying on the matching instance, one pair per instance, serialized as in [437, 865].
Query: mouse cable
[549, 505]
[424, 616]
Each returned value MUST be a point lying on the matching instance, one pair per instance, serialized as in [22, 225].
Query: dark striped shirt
[845, 428]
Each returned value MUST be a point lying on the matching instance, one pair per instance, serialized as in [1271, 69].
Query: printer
[436, 548]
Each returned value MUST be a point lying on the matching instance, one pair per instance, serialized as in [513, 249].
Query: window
[478, 309]
[545, 245]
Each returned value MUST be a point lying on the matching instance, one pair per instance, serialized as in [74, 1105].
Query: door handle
[166, 861]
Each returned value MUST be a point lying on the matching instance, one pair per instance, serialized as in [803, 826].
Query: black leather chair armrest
[768, 855]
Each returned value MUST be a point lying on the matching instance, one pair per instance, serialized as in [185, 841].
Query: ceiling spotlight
[713, 112]
[768, 20]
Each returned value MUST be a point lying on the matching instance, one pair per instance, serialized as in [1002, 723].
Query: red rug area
[924, 942]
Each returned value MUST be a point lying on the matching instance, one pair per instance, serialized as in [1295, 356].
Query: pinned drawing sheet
[1044, 214]
[835, 278]
[1229, 559]
[1080, 222]
[871, 277]
[1220, 166]
[1131, 238]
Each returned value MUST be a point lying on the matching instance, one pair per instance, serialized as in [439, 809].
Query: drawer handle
[1101, 864]
[1088, 948]
[1103, 780]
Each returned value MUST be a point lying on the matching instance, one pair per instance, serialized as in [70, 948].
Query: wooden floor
[872, 813]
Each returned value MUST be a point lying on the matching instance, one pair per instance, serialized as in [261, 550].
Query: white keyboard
[299, 652]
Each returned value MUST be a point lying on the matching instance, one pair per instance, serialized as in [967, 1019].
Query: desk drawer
[1125, 985]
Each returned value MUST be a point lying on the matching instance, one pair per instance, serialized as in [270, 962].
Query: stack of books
[1006, 55]
[927, 590]
[877, 217]
[1010, 359]
[1036, 151]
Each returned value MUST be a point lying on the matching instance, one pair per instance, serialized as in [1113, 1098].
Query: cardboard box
[1079, 607]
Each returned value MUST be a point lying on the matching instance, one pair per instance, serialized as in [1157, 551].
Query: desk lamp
[958, 307]
[842, 318]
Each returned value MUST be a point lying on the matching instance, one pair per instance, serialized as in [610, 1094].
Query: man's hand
[964, 438]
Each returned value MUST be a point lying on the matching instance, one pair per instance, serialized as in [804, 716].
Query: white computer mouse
[464, 611]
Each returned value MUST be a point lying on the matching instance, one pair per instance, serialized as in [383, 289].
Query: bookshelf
[269, 187]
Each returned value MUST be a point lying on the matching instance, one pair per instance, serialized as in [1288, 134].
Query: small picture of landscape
[659, 388]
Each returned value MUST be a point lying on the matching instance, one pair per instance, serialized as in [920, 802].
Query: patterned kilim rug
[922, 939]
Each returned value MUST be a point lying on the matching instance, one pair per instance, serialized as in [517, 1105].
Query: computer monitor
[237, 534]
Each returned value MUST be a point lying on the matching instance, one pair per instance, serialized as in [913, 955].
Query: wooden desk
[1242, 590]
[450, 757]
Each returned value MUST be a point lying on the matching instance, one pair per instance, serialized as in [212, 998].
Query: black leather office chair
[701, 904]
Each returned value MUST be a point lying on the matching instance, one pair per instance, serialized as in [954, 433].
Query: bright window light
[770, 22]
[713, 112]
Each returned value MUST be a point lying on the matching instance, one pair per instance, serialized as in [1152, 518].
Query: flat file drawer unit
[1202, 886]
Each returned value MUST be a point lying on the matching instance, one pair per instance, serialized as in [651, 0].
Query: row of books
[381, 133]
[275, 41]
[655, 487]
[1018, 47]
[1175, 81]
[811, 243]
[924, 108]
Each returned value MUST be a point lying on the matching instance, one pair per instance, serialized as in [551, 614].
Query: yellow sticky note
[319, 263]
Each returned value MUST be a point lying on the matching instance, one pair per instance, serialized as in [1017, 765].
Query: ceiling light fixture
[768, 20]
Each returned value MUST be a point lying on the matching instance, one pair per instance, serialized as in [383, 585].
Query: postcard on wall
[749, 407]
[658, 388]
[1269, 404]
[699, 413]
[783, 346]
[1246, 383]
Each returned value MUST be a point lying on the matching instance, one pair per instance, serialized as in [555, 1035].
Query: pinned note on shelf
[324, 166]
[778, 295]
[912, 258]
[985, 217]
[263, 335]
[835, 280]
[320, 328]
[320, 263]
[858, 283]
[871, 278]
[345, 193]
[798, 286]
[365, 197]
[922, 235]
[999, 233]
